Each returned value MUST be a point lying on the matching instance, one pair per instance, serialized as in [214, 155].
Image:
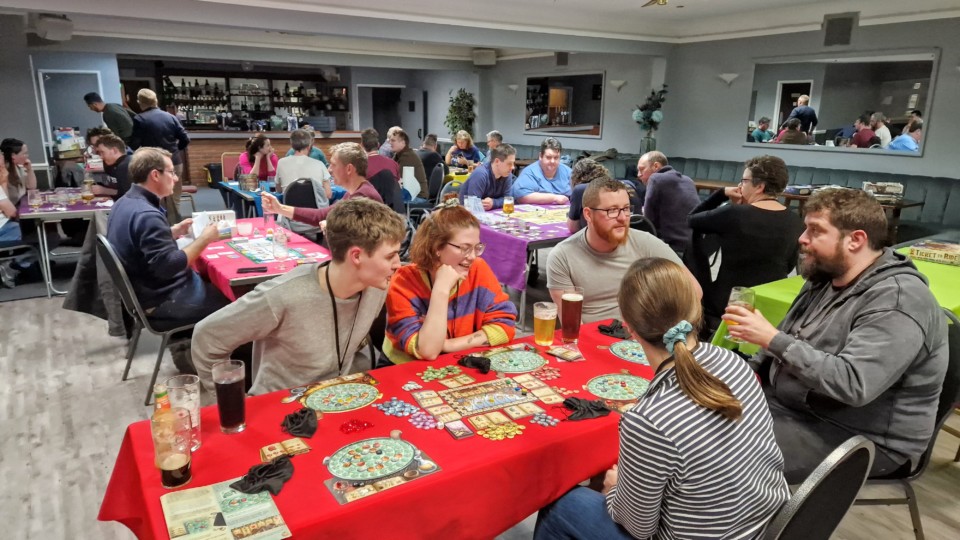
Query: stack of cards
[539, 389]
[484, 421]
[458, 429]
[289, 447]
[522, 410]
[458, 381]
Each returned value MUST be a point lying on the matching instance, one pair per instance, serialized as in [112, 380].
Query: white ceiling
[433, 29]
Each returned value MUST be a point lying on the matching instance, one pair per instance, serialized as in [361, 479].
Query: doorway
[385, 108]
[787, 94]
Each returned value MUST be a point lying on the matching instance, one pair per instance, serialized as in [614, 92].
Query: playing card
[458, 429]
[439, 409]
[451, 383]
[534, 384]
[430, 402]
[272, 451]
[521, 379]
[424, 394]
[552, 399]
[530, 408]
[451, 416]
[480, 422]
[465, 379]
[497, 417]
[295, 446]
[543, 391]
[515, 412]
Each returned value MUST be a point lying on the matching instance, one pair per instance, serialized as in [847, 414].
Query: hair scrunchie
[676, 334]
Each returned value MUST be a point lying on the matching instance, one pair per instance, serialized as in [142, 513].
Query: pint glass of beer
[571, 305]
[228, 379]
[744, 297]
[544, 323]
[171, 446]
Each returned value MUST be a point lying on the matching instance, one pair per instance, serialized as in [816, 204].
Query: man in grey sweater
[863, 349]
[311, 324]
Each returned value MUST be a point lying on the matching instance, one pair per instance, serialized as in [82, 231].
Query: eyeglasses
[614, 213]
[171, 172]
[466, 249]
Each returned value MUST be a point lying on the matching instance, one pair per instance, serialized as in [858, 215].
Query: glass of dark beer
[171, 445]
[571, 306]
[228, 378]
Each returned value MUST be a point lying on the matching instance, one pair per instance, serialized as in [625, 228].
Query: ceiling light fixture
[618, 84]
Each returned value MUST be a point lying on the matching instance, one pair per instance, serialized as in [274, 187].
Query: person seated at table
[756, 234]
[93, 136]
[407, 157]
[20, 175]
[315, 153]
[463, 153]
[348, 165]
[492, 180]
[116, 164]
[386, 149]
[494, 139]
[546, 181]
[300, 165]
[909, 141]
[259, 158]
[791, 133]
[162, 274]
[670, 479]
[376, 162]
[878, 123]
[762, 134]
[311, 323]
[596, 257]
[670, 197]
[448, 299]
[585, 171]
[863, 349]
[864, 136]
[428, 154]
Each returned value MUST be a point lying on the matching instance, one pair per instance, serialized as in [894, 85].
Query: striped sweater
[477, 303]
[687, 472]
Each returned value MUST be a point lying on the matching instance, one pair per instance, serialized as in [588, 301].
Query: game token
[544, 419]
[411, 385]
[423, 420]
[617, 387]
[506, 430]
[354, 426]
[432, 373]
[396, 407]
[341, 397]
[516, 362]
[547, 373]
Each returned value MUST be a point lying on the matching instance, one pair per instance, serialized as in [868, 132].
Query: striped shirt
[687, 472]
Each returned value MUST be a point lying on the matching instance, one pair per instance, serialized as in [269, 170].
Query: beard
[612, 236]
[821, 269]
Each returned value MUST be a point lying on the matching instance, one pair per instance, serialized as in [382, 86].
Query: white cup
[245, 228]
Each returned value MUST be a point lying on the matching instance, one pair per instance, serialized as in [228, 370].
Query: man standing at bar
[161, 129]
[863, 349]
[115, 116]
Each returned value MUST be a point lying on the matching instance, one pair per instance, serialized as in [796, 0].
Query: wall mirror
[565, 104]
[841, 88]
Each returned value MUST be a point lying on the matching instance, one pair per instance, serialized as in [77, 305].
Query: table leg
[522, 315]
[893, 227]
[45, 259]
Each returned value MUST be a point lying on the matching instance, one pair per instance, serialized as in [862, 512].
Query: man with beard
[597, 257]
[863, 349]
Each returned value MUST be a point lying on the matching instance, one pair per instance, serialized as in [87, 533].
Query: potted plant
[461, 114]
[649, 116]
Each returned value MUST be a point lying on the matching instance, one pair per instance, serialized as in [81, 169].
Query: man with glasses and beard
[863, 349]
[597, 257]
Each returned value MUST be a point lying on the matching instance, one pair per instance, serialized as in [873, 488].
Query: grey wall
[765, 81]
[703, 116]
[19, 119]
[504, 110]
[440, 87]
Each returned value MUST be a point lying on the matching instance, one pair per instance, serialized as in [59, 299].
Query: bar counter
[207, 146]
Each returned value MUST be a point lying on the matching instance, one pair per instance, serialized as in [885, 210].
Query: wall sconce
[513, 87]
[728, 77]
[618, 84]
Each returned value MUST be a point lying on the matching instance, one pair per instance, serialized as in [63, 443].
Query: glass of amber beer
[228, 379]
[571, 306]
[508, 206]
[744, 297]
[171, 446]
[544, 323]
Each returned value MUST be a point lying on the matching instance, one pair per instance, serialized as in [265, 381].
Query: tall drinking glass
[228, 379]
[508, 206]
[171, 446]
[33, 198]
[184, 392]
[571, 307]
[544, 323]
[280, 251]
[744, 297]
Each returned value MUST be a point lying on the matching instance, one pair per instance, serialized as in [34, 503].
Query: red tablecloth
[222, 271]
[484, 487]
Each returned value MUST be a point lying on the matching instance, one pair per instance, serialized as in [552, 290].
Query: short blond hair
[464, 136]
[146, 98]
[803, 100]
[351, 153]
[363, 223]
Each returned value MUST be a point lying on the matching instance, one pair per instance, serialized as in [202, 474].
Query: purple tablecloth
[48, 208]
[507, 253]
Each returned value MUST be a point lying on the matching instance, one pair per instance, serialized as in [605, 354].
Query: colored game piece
[411, 386]
[547, 373]
[630, 350]
[544, 419]
[354, 426]
[499, 432]
[396, 407]
[433, 374]
[617, 387]
[424, 420]
[341, 397]
[371, 459]
[516, 361]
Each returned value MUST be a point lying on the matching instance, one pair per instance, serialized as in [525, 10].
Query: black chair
[120, 280]
[948, 399]
[641, 223]
[819, 504]
[300, 193]
[450, 189]
[389, 190]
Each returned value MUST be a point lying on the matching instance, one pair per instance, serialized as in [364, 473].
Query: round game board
[341, 397]
[516, 361]
[371, 459]
[630, 350]
[617, 387]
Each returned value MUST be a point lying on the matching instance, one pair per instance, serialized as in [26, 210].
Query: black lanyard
[336, 322]
[456, 298]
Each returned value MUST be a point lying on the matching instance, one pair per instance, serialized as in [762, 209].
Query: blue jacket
[483, 184]
[154, 127]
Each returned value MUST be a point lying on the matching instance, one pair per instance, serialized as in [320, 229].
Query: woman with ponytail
[449, 299]
[697, 453]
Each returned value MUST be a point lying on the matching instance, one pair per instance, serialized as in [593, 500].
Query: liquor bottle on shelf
[286, 90]
[300, 91]
[276, 93]
[206, 87]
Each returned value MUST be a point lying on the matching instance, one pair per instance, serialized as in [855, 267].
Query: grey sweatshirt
[871, 360]
[291, 320]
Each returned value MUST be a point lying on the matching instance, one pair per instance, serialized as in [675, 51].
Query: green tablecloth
[774, 299]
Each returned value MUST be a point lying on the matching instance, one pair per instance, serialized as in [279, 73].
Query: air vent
[838, 28]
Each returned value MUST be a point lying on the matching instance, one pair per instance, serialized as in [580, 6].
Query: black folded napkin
[266, 476]
[584, 409]
[476, 362]
[302, 423]
[614, 329]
